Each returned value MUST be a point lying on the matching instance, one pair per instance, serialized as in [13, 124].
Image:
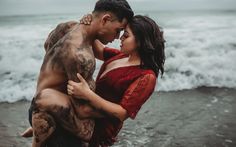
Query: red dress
[127, 86]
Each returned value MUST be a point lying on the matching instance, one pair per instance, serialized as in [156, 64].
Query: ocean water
[200, 50]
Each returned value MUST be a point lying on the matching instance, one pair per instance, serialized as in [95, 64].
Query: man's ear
[105, 18]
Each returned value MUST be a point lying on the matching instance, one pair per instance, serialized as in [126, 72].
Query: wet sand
[13, 121]
[203, 117]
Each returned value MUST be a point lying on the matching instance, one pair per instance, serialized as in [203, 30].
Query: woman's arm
[106, 106]
[82, 90]
[98, 49]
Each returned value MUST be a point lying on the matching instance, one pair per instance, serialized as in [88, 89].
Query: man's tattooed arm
[58, 33]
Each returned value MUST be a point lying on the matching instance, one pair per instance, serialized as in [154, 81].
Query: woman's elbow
[123, 115]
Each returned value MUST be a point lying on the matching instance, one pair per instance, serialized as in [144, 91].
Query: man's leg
[63, 109]
[43, 126]
[27, 133]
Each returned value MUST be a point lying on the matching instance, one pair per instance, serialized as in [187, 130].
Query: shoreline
[186, 118]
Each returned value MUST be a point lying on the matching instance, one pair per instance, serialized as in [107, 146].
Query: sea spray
[200, 51]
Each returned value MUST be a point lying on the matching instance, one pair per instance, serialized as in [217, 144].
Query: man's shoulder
[65, 27]
[58, 33]
[68, 24]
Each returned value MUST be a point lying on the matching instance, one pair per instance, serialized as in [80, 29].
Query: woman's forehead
[127, 29]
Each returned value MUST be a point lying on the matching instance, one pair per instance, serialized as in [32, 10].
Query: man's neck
[89, 32]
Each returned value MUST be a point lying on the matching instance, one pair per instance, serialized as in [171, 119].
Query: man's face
[111, 29]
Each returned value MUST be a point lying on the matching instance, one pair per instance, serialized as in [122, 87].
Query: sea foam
[200, 51]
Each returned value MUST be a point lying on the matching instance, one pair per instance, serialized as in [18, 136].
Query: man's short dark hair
[120, 8]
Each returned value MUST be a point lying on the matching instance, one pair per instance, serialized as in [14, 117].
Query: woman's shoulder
[108, 53]
[149, 72]
[139, 73]
[113, 54]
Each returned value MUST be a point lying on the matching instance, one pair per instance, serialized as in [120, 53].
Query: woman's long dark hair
[150, 42]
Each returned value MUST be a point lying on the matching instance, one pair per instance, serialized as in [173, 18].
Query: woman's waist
[107, 128]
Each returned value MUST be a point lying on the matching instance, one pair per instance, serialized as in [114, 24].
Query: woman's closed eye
[126, 35]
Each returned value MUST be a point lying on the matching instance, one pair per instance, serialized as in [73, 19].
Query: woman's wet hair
[149, 38]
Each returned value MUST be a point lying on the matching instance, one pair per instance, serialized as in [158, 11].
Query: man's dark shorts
[31, 109]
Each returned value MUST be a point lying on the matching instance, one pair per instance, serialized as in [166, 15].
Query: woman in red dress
[126, 79]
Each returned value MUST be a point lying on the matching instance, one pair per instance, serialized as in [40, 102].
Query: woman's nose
[118, 36]
[122, 38]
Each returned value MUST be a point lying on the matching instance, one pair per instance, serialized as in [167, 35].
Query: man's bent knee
[50, 97]
[43, 126]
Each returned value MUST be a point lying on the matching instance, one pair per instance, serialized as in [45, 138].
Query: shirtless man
[68, 52]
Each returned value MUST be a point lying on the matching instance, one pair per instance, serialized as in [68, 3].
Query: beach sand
[203, 117]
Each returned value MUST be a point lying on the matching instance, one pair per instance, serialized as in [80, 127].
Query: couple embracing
[68, 102]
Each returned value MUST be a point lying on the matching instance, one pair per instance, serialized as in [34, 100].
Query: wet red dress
[128, 86]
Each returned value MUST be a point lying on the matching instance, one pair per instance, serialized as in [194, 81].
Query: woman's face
[128, 42]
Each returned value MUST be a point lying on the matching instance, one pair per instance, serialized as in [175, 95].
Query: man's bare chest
[61, 58]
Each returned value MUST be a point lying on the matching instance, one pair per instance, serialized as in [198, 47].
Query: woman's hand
[86, 19]
[80, 89]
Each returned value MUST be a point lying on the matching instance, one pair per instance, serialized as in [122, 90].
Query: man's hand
[86, 19]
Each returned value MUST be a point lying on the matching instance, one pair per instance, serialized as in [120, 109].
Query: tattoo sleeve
[58, 33]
